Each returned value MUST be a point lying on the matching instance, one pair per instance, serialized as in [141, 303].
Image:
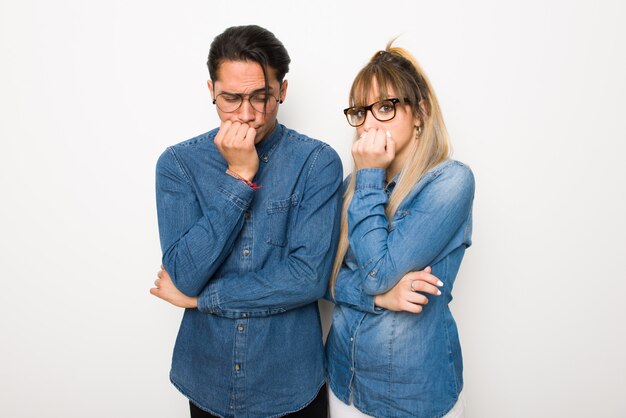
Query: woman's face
[401, 127]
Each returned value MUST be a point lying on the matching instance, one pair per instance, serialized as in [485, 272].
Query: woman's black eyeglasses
[382, 110]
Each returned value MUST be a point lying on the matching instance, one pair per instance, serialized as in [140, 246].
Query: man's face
[246, 78]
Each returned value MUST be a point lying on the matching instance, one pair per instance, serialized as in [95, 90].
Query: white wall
[92, 91]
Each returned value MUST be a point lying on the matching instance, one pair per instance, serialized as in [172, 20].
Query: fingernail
[439, 293]
[388, 134]
[439, 283]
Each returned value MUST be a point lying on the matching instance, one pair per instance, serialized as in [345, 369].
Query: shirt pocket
[278, 215]
[398, 217]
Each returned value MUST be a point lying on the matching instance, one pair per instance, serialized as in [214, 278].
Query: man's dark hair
[249, 43]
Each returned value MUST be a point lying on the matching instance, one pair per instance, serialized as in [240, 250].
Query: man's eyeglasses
[382, 110]
[260, 101]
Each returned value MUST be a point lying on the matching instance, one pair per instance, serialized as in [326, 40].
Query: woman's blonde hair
[396, 69]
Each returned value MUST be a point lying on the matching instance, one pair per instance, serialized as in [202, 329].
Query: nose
[246, 113]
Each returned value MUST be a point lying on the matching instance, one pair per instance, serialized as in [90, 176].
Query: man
[248, 221]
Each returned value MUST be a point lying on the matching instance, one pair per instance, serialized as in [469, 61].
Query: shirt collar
[392, 184]
[266, 147]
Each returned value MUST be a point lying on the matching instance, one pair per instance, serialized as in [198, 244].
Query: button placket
[239, 360]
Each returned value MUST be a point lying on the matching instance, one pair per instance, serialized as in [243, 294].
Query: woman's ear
[417, 120]
[424, 108]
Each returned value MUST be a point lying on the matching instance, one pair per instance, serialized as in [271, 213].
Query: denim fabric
[258, 260]
[399, 364]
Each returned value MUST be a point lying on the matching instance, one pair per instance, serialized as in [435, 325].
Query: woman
[407, 207]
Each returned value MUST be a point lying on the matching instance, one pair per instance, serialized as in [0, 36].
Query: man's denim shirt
[258, 260]
[399, 364]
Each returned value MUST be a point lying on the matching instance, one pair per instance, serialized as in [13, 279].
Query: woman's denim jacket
[399, 364]
[258, 260]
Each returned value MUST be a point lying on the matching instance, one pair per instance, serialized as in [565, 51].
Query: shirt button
[246, 252]
[240, 327]
[373, 273]
[265, 158]
[237, 367]
[351, 338]
[246, 214]
[245, 315]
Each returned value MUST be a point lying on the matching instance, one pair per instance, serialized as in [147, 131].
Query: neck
[396, 165]
[268, 134]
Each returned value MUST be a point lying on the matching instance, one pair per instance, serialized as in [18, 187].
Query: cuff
[370, 178]
[367, 303]
[208, 301]
[236, 191]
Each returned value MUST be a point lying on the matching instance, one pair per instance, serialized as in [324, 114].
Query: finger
[417, 298]
[390, 146]
[163, 274]
[157, 283]
[223, 131]
[364, 146]
[154, 291]
[355, 148]
[231, 134]
[242, 130]
[367, 144]
[362, 137]
[424, 287]
[376, 142]
[424, 276]
[250, 136]
[411, 307]
[379, 138]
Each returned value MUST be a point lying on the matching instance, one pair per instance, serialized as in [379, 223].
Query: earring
[418, 131]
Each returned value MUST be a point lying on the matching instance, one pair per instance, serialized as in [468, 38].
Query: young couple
[255, 227]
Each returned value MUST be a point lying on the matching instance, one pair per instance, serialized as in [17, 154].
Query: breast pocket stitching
[278, 213]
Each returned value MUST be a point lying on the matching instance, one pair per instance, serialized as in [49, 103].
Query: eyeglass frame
[393, 100]
[247, 96]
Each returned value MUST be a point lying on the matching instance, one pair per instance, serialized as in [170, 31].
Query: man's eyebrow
[259, 90]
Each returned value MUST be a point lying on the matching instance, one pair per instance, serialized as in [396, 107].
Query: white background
[91, 92]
